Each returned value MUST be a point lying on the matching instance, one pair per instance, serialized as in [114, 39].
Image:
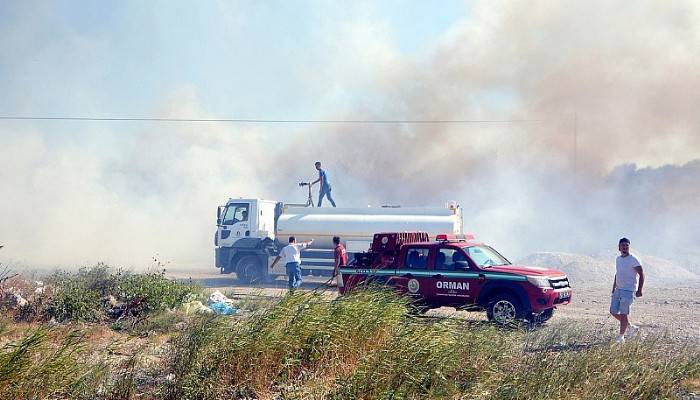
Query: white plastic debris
[218, 297]
[20, 301]
[220, 304]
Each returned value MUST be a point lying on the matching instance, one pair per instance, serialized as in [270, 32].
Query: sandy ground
[674, 310]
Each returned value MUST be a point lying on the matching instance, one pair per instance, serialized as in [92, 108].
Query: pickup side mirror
[461, 265]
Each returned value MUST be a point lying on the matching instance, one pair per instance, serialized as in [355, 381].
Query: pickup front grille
[559, 283]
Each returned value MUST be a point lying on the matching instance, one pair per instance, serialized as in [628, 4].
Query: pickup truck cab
[459, 273]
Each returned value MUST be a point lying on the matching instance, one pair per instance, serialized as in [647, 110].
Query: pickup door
[456, 280]
[414, 276]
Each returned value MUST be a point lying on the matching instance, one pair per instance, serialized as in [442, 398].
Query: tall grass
[55, 361]
[580, 363]
[368, 346]
[303, 335]
[46, 363]
[63, 363]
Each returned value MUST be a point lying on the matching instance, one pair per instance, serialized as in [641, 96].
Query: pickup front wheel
[539, 319]
[504, 309]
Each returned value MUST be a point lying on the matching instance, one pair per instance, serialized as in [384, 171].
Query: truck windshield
[485, 256]
[235, 212]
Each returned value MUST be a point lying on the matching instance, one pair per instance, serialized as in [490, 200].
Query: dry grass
[366, 346]
[363, 346]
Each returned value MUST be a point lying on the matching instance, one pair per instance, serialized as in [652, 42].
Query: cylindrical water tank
[360, 224]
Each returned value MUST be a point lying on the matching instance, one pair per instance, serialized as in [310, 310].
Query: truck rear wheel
[505, 310]
[249, 270]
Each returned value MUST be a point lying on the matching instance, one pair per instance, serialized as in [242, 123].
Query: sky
[604, 138]
[271, 59]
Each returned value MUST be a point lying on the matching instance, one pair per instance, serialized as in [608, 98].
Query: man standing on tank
[325, 185]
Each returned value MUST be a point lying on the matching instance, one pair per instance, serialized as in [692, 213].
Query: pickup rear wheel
[249, 270]
[504, 309]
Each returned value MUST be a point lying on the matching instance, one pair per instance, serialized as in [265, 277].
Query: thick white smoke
[151, 191]
[610, 91]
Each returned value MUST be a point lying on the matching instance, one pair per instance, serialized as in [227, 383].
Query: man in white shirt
[625, 288]
[292, 259]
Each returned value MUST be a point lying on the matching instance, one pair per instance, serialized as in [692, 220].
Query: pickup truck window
[446, 259]
[417, 258]
[485, 256]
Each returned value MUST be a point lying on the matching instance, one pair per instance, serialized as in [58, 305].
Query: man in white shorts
[625, 288]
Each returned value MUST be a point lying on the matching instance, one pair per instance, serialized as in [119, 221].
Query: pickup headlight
[539, 281]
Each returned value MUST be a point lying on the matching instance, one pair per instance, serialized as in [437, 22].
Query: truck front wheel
[504, 309]
[249, 270]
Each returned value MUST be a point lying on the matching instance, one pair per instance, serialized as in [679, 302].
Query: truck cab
[241, 218]
[245, 229]
[464, 274]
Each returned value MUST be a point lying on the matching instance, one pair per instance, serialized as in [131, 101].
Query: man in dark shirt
[341, 256]
[325, 185]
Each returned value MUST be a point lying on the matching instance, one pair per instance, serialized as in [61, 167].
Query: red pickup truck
[460, 273]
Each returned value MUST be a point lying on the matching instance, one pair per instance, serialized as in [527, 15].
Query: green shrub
[77, 296]
[153, 290]
[85, 295]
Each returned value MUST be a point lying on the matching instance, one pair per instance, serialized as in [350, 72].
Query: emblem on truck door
[413, 286]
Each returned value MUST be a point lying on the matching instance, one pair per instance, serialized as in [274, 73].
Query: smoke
[604, 143]
[124, 198]
[606, 95]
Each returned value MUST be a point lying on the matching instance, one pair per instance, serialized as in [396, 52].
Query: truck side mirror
[218, 216]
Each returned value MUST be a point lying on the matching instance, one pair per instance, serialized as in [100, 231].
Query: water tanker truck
[251, 232]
